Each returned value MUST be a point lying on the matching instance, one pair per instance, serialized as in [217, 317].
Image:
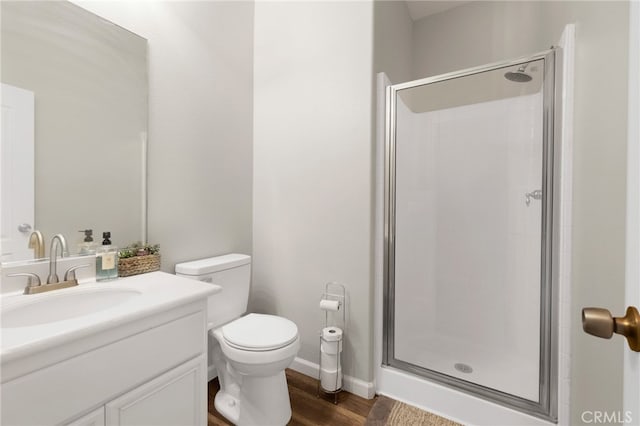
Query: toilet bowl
[258, 344]
[247, 353]
[250, 357]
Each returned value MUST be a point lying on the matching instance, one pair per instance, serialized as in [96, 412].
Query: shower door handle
[599, 322]
[536, 195]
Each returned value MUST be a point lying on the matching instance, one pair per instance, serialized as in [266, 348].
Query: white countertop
[154, 292]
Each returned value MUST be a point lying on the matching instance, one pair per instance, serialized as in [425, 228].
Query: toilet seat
[259, 332]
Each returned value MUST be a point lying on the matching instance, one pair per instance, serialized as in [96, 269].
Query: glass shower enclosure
[469, 297]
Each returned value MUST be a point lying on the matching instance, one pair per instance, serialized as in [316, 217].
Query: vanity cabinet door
[94, 418]
[178, 397]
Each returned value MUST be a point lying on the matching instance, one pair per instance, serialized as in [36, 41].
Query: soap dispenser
[87, 246]
[106, 259]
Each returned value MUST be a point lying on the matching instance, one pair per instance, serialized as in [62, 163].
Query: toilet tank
[233, 273]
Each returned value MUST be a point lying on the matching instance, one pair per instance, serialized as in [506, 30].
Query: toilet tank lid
[212, 264]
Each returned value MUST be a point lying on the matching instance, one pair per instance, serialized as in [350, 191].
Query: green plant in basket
[139, 249]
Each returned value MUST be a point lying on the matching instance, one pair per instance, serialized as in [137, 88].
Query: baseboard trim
[351, 384]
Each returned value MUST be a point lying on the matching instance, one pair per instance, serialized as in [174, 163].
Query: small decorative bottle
[106, 259]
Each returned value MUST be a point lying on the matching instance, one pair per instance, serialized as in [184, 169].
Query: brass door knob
[600, 323]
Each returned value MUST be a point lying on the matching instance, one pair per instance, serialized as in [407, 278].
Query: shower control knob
[599, 322]
[536, 195]
[24, 227]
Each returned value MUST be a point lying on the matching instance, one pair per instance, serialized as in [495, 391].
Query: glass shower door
[468, 286]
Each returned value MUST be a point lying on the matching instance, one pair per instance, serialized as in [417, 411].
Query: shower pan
[469, 295]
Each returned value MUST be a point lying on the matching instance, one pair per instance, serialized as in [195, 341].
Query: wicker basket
[138, 265]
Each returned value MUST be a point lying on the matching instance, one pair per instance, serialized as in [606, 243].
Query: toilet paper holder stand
[334, 292]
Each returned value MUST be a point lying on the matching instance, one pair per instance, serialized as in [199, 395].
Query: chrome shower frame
[547, 405]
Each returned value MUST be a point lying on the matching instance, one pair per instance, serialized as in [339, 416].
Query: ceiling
[418, 9]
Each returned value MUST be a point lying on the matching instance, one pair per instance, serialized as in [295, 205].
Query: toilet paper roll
[331, 380]
[329, 305]
[332, 334]
[329, 361]
[331, 347]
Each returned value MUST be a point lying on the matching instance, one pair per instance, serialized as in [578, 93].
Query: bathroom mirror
[74, 127]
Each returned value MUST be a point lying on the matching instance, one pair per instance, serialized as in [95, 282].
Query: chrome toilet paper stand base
[333, 292]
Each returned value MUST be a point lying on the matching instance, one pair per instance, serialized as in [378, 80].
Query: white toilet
[248, 353]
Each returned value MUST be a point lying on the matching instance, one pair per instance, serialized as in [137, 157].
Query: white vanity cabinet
[175, 398]
[144, 368]
[94, 418]
[154, 376]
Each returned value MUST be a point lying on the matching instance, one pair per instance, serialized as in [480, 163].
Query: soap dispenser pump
[106, 259]
[106, 238]
[87, 246]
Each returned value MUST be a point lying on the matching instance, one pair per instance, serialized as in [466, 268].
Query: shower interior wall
[483, 32]
[467, 246]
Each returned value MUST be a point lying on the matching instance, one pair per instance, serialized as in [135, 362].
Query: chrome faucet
[57, 241]
[36, 242]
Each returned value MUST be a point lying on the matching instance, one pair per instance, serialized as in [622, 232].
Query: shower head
[518, 76]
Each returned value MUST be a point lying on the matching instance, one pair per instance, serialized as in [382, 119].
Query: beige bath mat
[388, 412]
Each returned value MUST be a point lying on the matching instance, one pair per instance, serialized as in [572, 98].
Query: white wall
[312, 168]
[478, 33]
[483, 32]
[200, 122]
[392, 40]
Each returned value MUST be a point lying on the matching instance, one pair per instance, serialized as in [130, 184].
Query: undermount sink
[62, 306]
